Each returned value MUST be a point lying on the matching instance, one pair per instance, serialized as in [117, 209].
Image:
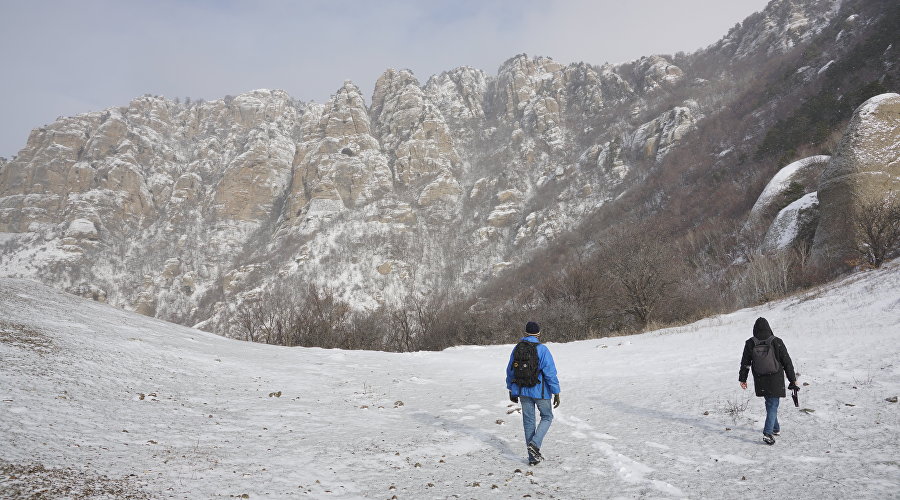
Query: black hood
[761, 329]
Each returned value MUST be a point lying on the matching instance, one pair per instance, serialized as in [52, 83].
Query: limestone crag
[458, 93]
[413, 129]
[654, 139]
[337, 158]
[783, 25]
[656, 72]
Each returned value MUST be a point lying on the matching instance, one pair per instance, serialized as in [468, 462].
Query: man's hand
[744, 385]
[512, 398]
[556, 400]
[794, 386]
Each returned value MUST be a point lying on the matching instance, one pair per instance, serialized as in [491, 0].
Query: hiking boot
[776, 433]
[533, 461]
[768, 439]
[534, 452]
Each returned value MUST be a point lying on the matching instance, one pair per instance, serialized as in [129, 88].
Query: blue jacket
[547, 385]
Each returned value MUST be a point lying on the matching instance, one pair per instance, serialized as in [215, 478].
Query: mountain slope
[99, 397]
[189, 211]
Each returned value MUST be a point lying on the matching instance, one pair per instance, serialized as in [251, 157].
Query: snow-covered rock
[656, 72]
[802, 173]
[654, 139]
[865, 167]
[82, 228]
[781, 26]
[794, 225]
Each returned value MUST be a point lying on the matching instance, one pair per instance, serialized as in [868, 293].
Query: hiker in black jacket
[767, 356]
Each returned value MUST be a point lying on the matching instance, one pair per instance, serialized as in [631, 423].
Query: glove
[793, 386]
[514, 399]
[556, 400]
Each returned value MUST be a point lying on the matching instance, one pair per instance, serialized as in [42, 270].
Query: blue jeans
[771, 415]
[536, 435]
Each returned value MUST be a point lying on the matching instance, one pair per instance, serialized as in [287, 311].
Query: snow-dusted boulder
[503, 215]
[794, 225]
[803, 173]
[82, 229]
[866, 166]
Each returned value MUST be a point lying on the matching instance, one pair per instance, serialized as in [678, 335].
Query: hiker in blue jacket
[531, 380]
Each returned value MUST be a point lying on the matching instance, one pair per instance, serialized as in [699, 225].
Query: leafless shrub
[735, 409]
[877, 224]
[292, 315]
[766, 277]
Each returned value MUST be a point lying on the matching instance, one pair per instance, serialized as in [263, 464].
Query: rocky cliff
[183, 211]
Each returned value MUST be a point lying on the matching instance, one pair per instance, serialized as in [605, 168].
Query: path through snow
[91, 391]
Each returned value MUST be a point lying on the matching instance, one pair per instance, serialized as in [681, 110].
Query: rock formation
[789, 184]
[865, 167]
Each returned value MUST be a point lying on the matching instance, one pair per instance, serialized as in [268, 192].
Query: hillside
[99, 401]
[431, 191]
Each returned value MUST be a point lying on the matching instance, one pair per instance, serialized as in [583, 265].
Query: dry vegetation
[36, 482]
[25, 337]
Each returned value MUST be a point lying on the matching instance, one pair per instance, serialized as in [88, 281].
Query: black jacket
[768, 385]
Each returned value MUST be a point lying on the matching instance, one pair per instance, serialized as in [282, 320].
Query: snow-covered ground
[106, 402]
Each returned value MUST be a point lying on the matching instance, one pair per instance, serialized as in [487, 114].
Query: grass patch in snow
[25, 337]
[36, 481]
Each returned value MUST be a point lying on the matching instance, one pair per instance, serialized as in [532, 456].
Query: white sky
[61, 58]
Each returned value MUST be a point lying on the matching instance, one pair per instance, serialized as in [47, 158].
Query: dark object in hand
[794, 390]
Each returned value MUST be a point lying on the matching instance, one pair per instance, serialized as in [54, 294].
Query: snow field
[181, 413]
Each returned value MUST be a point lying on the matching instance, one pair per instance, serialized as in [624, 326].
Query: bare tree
[877, 224]
[417, 321]
[268, 318]
[323, 318]
[290, 315]
[643, 270]
[248, 322]
[402, 330]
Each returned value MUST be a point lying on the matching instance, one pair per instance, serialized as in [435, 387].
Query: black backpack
[525, 364]
[764, 359]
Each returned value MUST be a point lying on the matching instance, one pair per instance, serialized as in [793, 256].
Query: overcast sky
[61, 58]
